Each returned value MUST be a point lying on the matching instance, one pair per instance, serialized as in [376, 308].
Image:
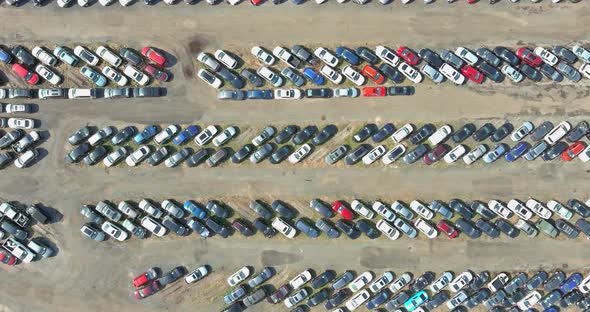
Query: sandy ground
[87, 276]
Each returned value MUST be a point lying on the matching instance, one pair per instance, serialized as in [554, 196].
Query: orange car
[573, 151]
[373, 74]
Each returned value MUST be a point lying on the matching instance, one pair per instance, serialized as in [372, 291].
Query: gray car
[488, 56]
[90, 231]
[261, 153]
[177, 158]
[14, 230]
[266, 134]
[343, 280]
[441, 208]
[252, 77]
[95, 156]
[327, 227]
[235, 294]
[321, 208]
[405, 228]
[11, 137]
[174, 226]
[568, 71]
[91, 215]
[452, 59]
[236, 95]
[261, 210]
[335, 155]
[536, 151]
[108, 211]
[262, 277]
[217, 157]
[416, 154]
[293, 76]
[254, 298]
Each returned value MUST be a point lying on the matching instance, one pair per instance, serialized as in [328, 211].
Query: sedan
[29, 76]
[528, 57]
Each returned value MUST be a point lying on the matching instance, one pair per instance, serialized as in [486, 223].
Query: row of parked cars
[153, 280]
[382, 63]
[520, 291]
[81, 93]
[16, 228]
[40, 63]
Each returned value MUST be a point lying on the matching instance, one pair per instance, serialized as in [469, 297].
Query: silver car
[266, 134]
[432, 73]
[261, 153]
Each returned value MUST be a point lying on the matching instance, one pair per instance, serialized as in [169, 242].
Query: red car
[147, 291]
[529, 57]
[156, 73]
[255, 2]
[153, 56]
[407, 55]
[29, 76]
[339, 207]
[7, 258]
[446, 228]
[573, 151]
[472, 73]
[145, 277]
[373, 74]
[374, 91]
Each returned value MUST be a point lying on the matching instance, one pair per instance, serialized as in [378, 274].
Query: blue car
[186, 134]
[347, 55]
[571, 283]
[194, 209]
[146, 134]
[5, 56]
[415, 301]
[518, 150]
[313, 76]
[259, 94]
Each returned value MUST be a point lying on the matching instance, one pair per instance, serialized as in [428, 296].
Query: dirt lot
[89, 277]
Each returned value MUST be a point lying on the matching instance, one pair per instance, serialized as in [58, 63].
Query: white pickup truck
[10, 212]
[19, 250]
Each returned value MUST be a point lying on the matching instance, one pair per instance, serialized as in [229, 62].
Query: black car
[78, 153]
[368, 228]
[515, 283]
[357, 154]
[536, 280]
[215, 208]
[286, 134]
[174, 226]
[337, 299]
[365, 132]
[264, 228]
[318, 297]
[452, 59]
[578, 132]
[571, 298]
[242, 153]
[23, 55]
[463, 133]
[565, 54]
[157, 157]
[323, 279]
[252, 77]
[482, 209]
[422, 281]
[530, 72]
[283, 210]
[5, 159]
[554, 281]
[261, 209]
[488, 56]
[437, 300]
[583, 226]
[123, 135]
[80, 135]
[131, 56]
[147, 92]
[397, 301]
[567, 228]
[506, 228]
[495, 299]
[171, 276]
[217, 227]
[304, 135]
[484, 132]
[477, 298]
[323, 136]
[95, 156]
[405, 90]
[487, 228]
[540, 132]
[348, 229]
[367, 55]
[579, 207]
[14, 229]
[479, 280]
[555, 151]
[233, 79]
[383, 133]
[318, 93]
[431, 57]
[378, 299]
[391, 73]
[502, 132]
[461, 208]
[551, 73]
[242, 227]
[466, 227]
[197, 158]
[280, 154]
[491, 72]
[415, 154]
[422, 134]
[304, 54]
[507, 55]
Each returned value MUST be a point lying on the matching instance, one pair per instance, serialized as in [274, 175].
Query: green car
[547, 228]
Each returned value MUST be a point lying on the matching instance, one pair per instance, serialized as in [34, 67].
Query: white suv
[558, 132]
[440, 135]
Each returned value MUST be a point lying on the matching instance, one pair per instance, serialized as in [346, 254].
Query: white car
[123, 3]
[529, 301]
[584, 286]
[137, 156]
[166, 134]
[538, 208]
[101, 135]
[388, 229]
[498, 282]
[374, 154]
[25, 159]
[153, 226]
[353, 75]
[150, 208]
[206, 76]
[387, 56]
[522, 131]
[109, 56]
[262, 55]
[440, 135]
[559, 209]
[383, 211]
[475, 154]
[585, 70]
[443, 281]
[225, 59]
[581, 53]
[526, 227]
[225, 136]
[499, 209]
[357, 300]
[114, 231]
[285, 56]
[381, 282]
[326, 57]
[300, 280]
[402, 133]
[48, 74]
[546, 56]
[115, 156]
[288, 94]
[420, 209]
[410, 72]
[115, 76]
[393, 154]
[331, 74]
[270, 76]
[519, 209]
[346, 92]
[461, 281]
[467, 56]
[283, 227]
[426, 228]
[21, 123]
[360, 281]
[239, 276]
[300, 153]
[17, 108]
[86, 55]
[206, 135]
[296, 298]
[452, 74]
[558, 132]
[512, 73]
[140, 77]
[361, 209]
[401, 282]
[44, 56]
[455, 154]
[196, 275]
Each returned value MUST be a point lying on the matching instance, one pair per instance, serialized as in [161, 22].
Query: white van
[75, 93]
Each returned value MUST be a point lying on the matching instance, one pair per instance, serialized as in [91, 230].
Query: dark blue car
[313, 76]
[259, 94]
[5, 56]
[186, 134]
[194, 209]
[347, 55]
[146, 134]
[518, 150]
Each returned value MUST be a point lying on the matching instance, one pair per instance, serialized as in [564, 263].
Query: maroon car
[156, 72]
[242, 227]
[279, 294]
[7, 258]
[435, 154]
[147, 291]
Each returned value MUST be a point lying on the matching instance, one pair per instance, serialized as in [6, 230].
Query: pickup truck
[19, 250]
[10, 212]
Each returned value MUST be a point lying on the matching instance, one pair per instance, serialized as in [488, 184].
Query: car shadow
[171, 60]
[53, 215]
[42, 154]
[45, 241]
